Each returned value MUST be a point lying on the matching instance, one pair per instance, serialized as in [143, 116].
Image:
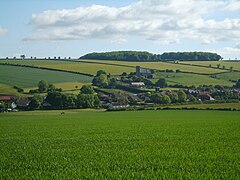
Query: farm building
[138, 84]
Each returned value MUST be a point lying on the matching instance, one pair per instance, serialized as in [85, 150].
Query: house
[6, 98]
[138, 84]
[22, 102]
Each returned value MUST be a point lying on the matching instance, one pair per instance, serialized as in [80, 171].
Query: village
[126, 91]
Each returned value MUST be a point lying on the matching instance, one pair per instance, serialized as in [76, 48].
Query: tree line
[144, 56]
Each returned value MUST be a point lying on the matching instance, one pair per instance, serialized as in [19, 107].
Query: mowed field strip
[120, 145]
[29, 77]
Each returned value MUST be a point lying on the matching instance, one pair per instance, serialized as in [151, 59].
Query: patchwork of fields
[161, 66]
[120, 145]
[28, 78]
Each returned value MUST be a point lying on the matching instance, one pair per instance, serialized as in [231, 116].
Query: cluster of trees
[173, 97]
[191, 56]
[148, 57]
[87, 98]
[123, 56]
[44, 86]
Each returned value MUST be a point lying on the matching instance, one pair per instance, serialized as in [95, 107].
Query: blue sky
[46, 28]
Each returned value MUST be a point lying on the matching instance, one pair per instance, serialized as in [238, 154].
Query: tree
[122, 99]
[42, 86]
[87, 89]
[101, 81]
[192, 98]
[35, 102]
[51, 87]
[174, 97]
[87, 101]
[182, 97]
[22, 56]
[159, 98]
[100, 72]
[161, 83]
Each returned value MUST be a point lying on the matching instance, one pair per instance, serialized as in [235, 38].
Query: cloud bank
[165, 21]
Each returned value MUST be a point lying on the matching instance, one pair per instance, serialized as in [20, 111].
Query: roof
[5, 98]
[138, 83]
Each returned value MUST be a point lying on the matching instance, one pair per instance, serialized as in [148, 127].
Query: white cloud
[2, 31]
[165, 21]
[232, 5]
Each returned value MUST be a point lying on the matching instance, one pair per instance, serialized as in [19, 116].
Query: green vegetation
[191, 56]
[123, 56]
[146, 56]
[120, 145]
[27, 77]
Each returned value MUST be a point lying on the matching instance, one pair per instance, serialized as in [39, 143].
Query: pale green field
[160, 66]
[229, 76]
[89, 68]
[235, 65]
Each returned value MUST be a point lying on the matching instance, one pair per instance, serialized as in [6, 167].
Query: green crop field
[28, 77]
[229, 76]
[89, 68]
[120, 145]
[193, 79]
[161, 66]
[235, 65]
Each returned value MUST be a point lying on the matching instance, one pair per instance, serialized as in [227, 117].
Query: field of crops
[89, 68]
[229, 76]
[235, 65]
[193, 79]
[161, 66]
[28, 77]
[120, 145]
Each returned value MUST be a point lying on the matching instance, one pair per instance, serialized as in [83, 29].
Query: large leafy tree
[182, 97]
[87, 89]
[42, 86]
[161, 83]
[159, 98]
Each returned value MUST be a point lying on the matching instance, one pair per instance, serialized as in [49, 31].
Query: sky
[72, 28]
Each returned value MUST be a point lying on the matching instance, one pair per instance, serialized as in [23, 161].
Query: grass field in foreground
[120, 145]
[212, 106]
[29, 77]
